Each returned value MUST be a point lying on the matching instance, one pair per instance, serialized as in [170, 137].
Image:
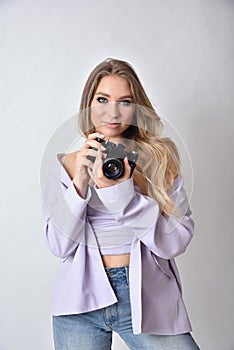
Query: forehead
[114, 85]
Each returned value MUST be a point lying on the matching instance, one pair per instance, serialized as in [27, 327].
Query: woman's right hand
[82, 163]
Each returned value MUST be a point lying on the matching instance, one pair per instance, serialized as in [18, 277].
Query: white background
[183, 52]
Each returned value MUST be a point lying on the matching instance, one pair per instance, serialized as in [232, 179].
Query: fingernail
[101, 135]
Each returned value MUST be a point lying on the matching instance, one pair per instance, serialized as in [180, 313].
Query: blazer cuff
[116, 198]
[75, 202]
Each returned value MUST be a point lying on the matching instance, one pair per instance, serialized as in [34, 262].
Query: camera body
[113, 164]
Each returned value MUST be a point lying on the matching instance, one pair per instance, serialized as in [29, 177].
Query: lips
[112, 125]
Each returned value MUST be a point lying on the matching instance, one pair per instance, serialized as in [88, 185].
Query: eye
[125, 102]
[102, 100]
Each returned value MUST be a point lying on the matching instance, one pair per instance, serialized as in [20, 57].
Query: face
[112, 107]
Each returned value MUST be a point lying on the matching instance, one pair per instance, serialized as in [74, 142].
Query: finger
[127, 171]
[91, 153]
[97, 166]
[98, 160]
[95, 156]
[90, 173]
[95, 135]
[81, 155]
[88, 163]
[90, 143]
[95, 171]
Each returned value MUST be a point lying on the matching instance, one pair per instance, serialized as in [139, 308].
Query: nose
[113, 110]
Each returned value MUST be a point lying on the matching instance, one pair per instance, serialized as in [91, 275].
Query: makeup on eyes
[123, 101]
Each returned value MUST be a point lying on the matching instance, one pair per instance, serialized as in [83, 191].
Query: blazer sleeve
[172, 234]
[166, 236]
[130, 208]
[64, 211]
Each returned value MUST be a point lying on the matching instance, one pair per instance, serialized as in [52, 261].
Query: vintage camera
[113, 164]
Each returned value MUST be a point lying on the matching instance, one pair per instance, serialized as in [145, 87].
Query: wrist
[81, 187]
[105, 184]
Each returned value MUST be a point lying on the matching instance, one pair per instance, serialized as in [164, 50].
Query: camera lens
[113, 168]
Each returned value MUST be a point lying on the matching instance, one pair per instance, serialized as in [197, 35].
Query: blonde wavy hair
[158, 162]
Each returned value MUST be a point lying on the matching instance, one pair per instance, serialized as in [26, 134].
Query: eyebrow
[106, 95]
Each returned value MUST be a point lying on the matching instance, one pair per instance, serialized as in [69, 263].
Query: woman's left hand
[96, 173]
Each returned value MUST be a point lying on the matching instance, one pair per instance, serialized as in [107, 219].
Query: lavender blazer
[82, 284]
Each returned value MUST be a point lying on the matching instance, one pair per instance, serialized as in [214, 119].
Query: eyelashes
[125, 102]
[104, 100]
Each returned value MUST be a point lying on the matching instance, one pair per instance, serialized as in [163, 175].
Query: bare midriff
[116, 260]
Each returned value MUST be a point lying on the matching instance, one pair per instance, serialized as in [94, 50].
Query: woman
[118, 236]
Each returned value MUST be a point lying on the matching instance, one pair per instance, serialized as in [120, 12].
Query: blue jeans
[93, 330]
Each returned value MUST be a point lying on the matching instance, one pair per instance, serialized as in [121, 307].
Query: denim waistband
[118, 273]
